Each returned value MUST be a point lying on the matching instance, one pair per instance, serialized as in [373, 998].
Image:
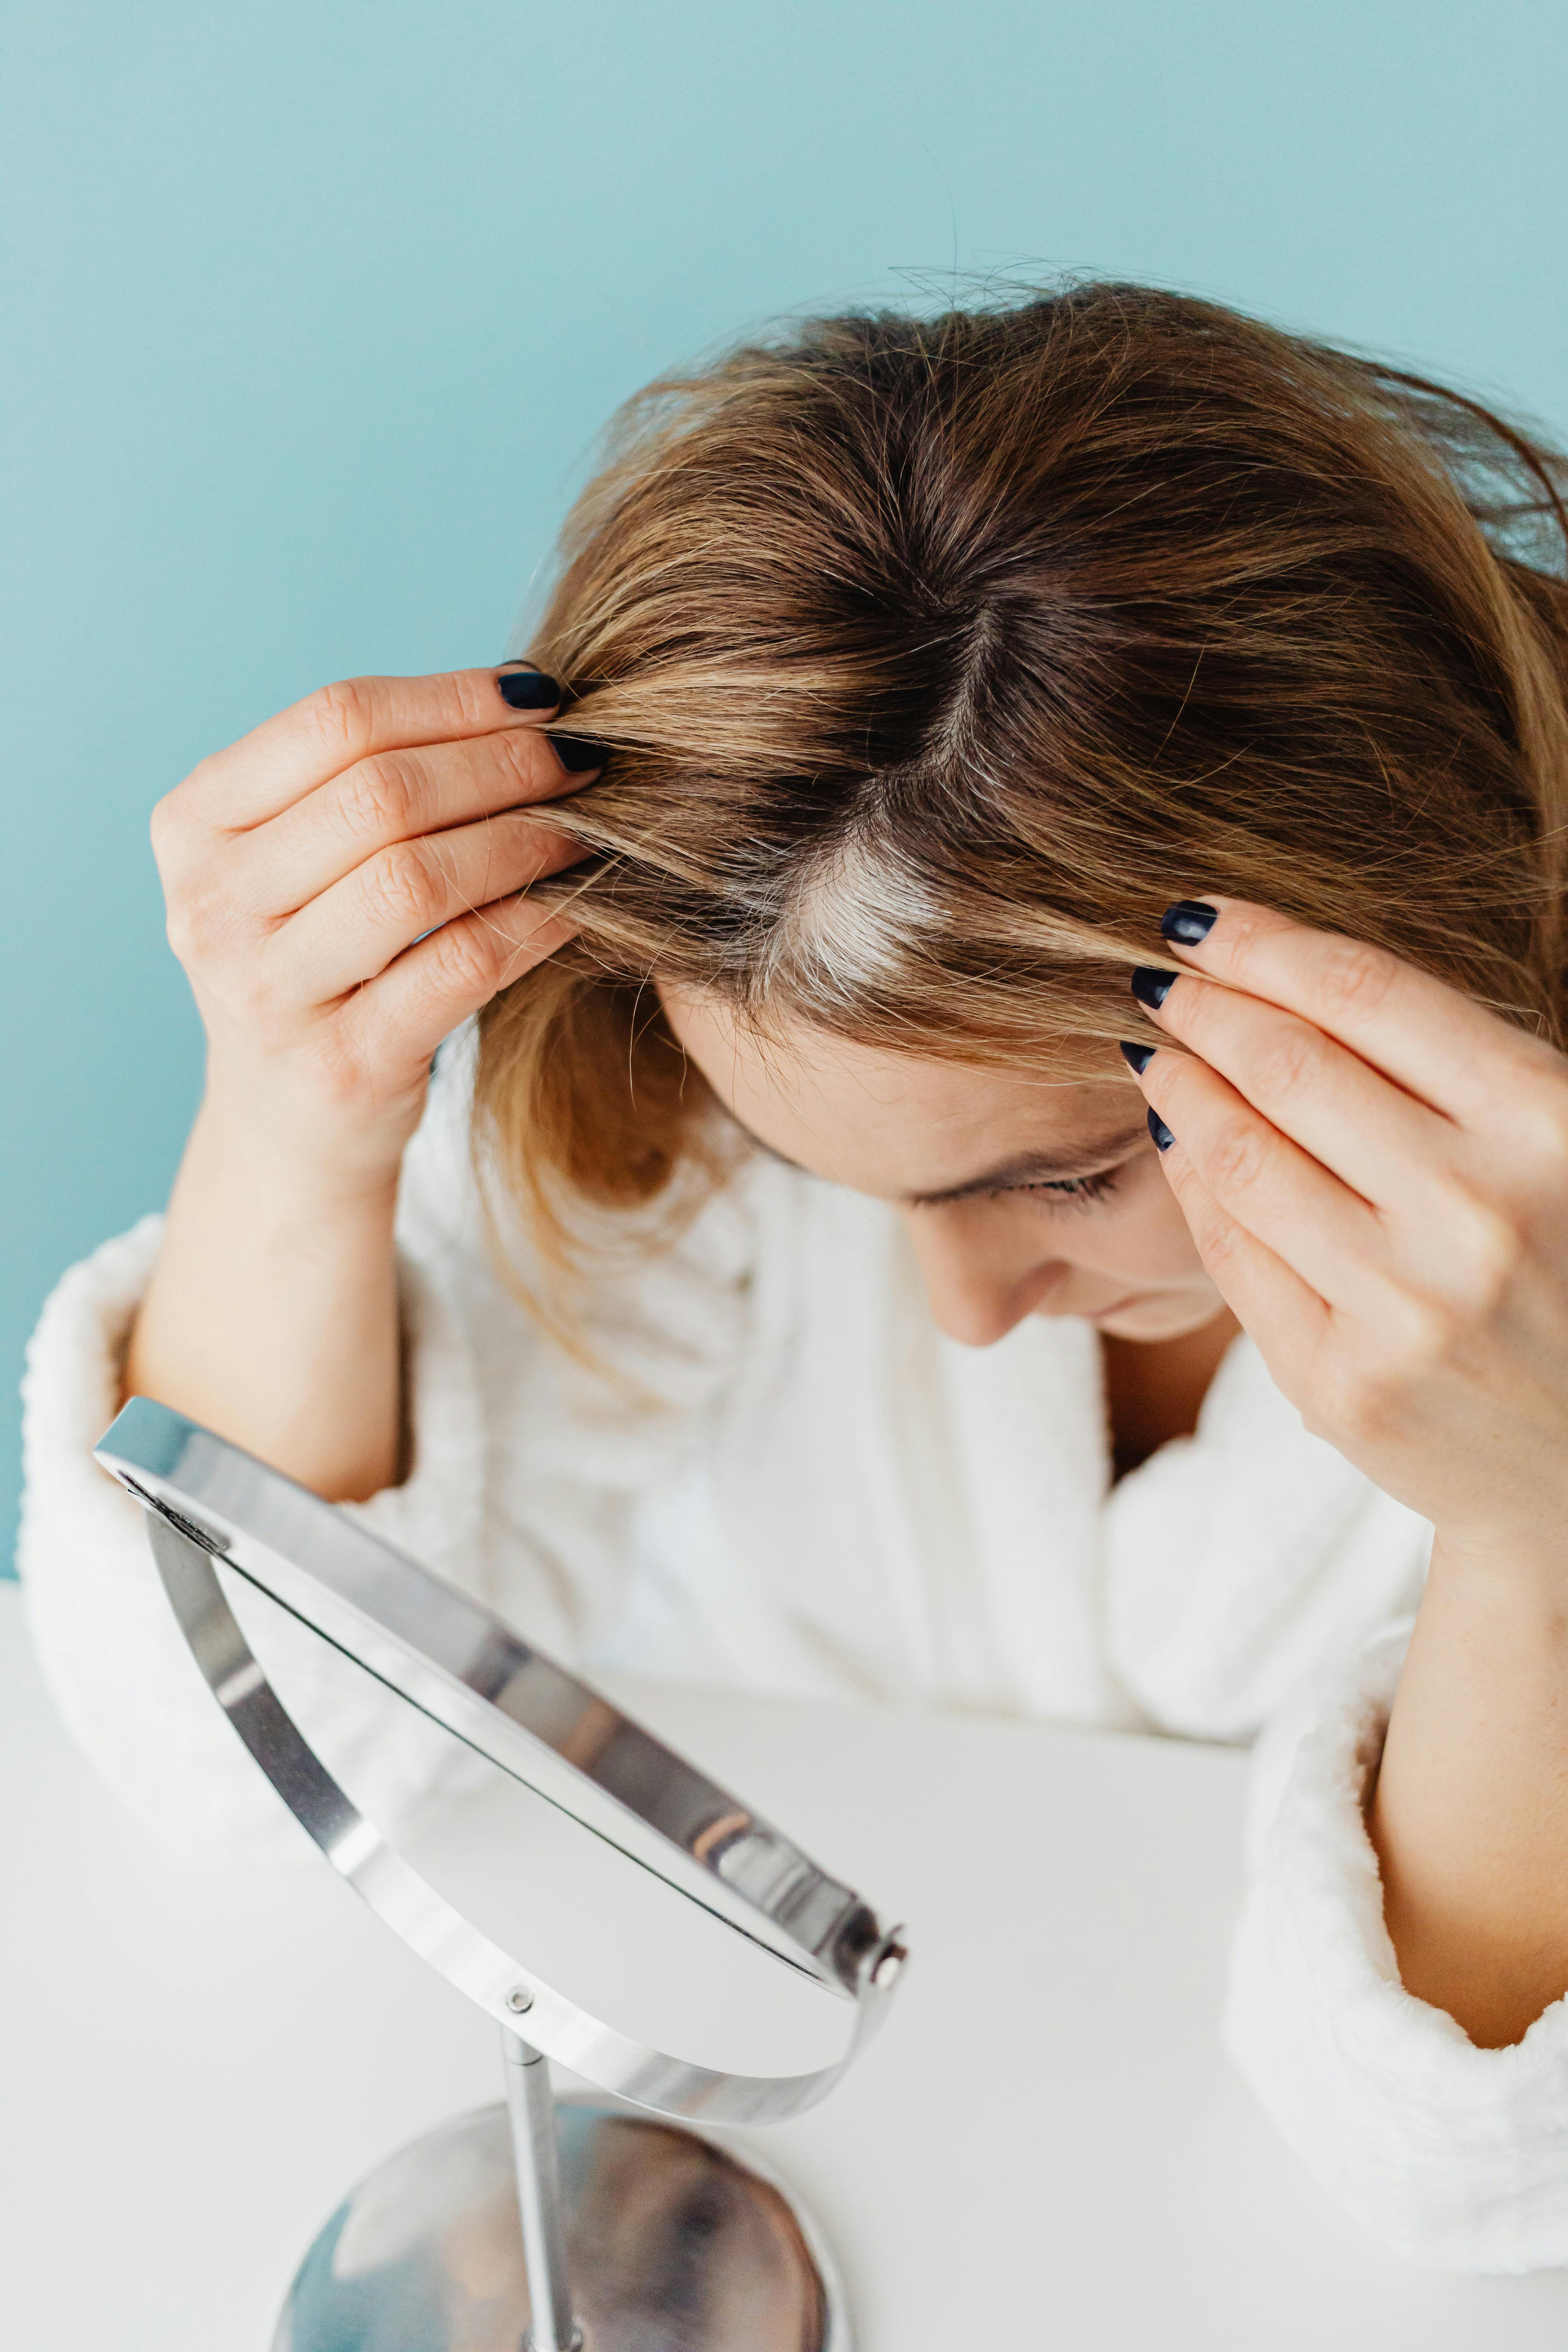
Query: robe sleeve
[1455, 2156]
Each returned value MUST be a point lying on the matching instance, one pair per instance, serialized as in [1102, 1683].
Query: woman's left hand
[1375, 1173]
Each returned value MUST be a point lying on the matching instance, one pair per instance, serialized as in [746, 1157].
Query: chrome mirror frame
[461, 1664]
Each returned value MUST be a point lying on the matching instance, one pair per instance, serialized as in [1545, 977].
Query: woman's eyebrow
[1024, 1168]
[1038, 1167]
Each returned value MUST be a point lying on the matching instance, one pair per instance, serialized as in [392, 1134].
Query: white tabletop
[1047, 2147]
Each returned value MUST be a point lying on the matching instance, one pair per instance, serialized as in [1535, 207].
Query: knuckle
[179, 841]
[1495, 1253]
[165, 826]
[1292, 1060]
[1363, 1404]
[473, 701]
[199, 923]
[523, 758]
[405, 887]
[180, 930]
[1419, 1337]
[341, 716]
[1353, 977]
[1485, 1251]
[1372, 1390]
[1236, 1156]
[1427, 1332]
[465, 962]
[1215, 1237]
[378, 799]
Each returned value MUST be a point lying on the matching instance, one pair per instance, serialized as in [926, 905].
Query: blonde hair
[936, 656]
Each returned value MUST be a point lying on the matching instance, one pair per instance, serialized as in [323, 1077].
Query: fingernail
[1160, 1131]
[1188, 921]
[1137, 1057]
[1151, 986]
[528, 690]
[578, 753]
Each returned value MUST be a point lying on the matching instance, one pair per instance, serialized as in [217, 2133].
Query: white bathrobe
[830, 1500]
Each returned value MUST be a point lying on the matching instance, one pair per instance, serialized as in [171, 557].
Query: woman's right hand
[342, 891]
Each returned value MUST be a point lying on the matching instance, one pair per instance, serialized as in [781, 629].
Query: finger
[1377, 1139]
[1285, 1318]
[356, 929]
[394, 796]
[290, 755]
[1272, 1189]
[431, 988]
[1426, 1036]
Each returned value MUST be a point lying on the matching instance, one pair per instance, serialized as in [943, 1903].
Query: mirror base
[674, 2245]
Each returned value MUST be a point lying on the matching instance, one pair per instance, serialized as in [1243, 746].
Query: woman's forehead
[905, 1125]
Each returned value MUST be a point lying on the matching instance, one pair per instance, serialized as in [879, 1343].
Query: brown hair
[936, 656]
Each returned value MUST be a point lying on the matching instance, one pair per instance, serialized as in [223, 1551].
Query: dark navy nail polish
[1188, 921]
[1137, 1057]
[528, 690]
[1151, 986]
[578, 753]
[1160, 1131]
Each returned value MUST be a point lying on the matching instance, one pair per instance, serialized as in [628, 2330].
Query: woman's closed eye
[1066, 1192]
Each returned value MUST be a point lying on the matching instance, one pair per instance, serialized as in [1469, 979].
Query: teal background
[309, 314]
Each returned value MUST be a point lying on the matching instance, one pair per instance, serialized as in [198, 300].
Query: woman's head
[935, 656]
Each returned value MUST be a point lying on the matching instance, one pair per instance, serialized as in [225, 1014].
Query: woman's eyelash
[1069, 1191]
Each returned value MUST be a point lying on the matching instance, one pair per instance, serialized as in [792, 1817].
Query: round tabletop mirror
[604, 1900]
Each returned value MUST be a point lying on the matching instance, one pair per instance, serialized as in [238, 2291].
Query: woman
[798, 895]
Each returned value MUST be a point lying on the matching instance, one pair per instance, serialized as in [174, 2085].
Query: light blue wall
[310, 311]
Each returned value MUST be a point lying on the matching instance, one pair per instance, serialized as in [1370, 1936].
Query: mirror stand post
[530, 2108]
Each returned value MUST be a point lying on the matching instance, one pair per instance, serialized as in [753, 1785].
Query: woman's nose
[977, 1294]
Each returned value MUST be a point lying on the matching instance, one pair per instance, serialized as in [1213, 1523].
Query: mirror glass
[660, 1936]
[624, 1941]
